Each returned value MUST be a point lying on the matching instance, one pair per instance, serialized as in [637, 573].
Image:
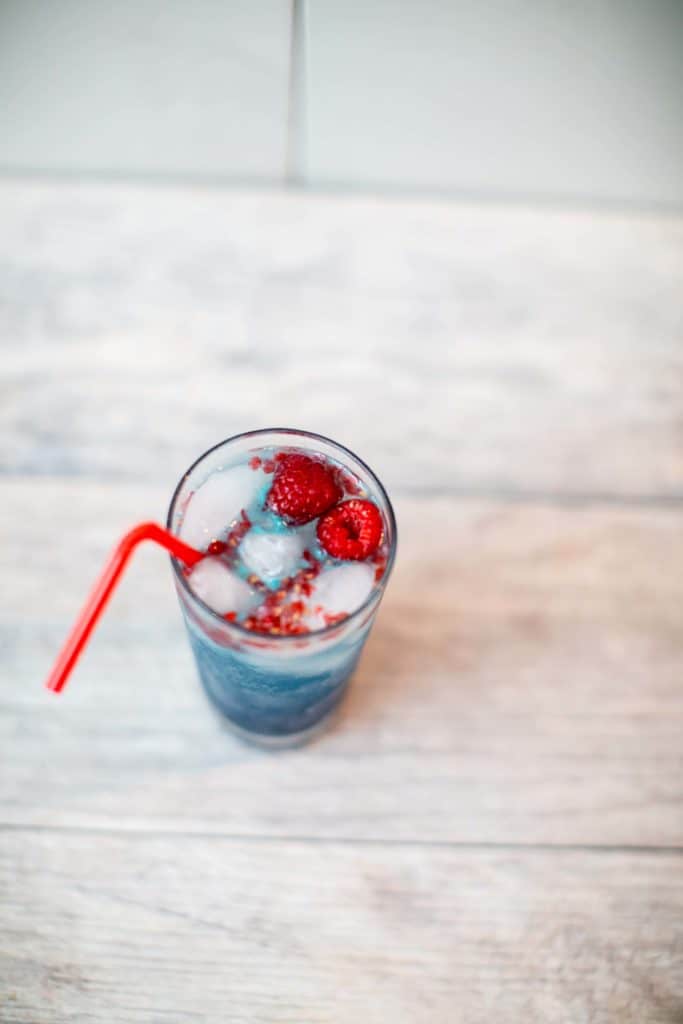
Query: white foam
[221, 588]
[217, 503]
[271, 555]
[343, 588]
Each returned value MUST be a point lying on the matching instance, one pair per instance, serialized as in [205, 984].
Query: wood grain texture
[150, 929]
[457, 347]
[521, 685]
[494, 826]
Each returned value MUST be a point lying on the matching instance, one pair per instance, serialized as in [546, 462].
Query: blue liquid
[273, 696]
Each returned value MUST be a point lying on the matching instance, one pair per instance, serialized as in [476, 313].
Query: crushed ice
[222, 589]
[342, 589]
[271, 555]
[217, 503]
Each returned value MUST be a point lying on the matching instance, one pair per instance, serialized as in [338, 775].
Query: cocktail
[282, 543]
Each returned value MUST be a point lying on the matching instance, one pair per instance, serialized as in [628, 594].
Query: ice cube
[219, 587]
[218, 502]
[271, 555]
[343, 588]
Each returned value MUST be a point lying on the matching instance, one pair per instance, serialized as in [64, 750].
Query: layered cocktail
[300, 539]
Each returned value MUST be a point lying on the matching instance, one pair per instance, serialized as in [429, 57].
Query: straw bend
[101, 592]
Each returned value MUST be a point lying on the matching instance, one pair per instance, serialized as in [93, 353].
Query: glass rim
[236, 627]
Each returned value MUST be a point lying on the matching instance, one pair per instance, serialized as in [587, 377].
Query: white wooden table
[494, 829]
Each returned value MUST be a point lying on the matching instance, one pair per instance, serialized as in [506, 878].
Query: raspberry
[217, 547]
[351, 530]
[302, 489]
[227, 548]
[347, 482]
[281, 611]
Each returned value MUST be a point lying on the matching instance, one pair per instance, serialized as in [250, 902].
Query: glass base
[295, 739]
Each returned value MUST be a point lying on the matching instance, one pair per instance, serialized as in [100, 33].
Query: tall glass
[276, 690]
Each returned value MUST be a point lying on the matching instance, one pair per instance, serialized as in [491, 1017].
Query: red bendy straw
[101, 592]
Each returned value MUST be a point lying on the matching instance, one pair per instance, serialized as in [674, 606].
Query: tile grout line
[296, 97]
[13, 175]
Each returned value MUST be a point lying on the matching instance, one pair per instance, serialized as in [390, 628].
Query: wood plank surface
[523, 684]
[457, 347]
[493, 828]
[290, 931]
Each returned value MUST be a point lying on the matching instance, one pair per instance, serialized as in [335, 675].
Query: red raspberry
[302, 489]
[217, 547]
[351, 530]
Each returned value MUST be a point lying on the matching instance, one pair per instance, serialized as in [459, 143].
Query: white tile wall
[181, 87]
[521, 97]
[529, 98]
